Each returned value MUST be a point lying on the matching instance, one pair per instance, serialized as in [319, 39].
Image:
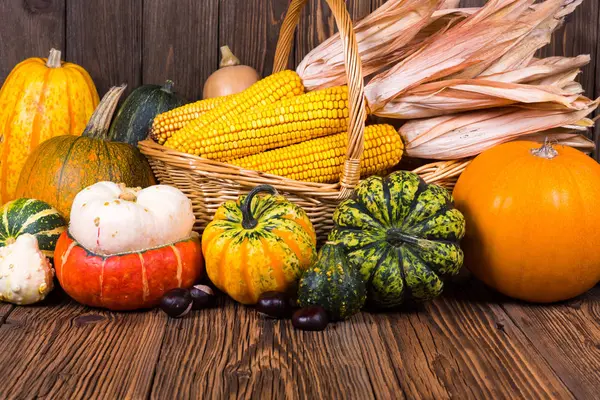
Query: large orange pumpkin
[40, 99]
[532, 220]
[62, 166]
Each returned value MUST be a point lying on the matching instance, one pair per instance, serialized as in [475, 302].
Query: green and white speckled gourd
[403, 235]
[333, 284]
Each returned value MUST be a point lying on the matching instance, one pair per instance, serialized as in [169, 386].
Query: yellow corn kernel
[322, 160]
[165, 124]
[286, 122]
[284, 84]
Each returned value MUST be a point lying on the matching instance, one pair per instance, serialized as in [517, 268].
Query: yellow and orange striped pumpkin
[257, 245]
[41, 98]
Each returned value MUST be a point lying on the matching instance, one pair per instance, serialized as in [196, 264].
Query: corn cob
[284, 84]
[297, 119]
[165, 124]
[322, 160]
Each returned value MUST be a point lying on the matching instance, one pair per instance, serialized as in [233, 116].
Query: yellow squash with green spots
[403, 235]
[258, 244]
[40, 99]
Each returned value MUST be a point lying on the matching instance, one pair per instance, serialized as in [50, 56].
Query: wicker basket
[210, 183]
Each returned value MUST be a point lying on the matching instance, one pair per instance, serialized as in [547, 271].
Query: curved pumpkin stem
[228, 59]
[168, 86]
[53, 59]
[99, 123]
[248, 220]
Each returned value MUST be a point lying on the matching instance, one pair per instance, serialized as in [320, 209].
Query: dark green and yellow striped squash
[403, 235]
[333, 284]
[34, 217]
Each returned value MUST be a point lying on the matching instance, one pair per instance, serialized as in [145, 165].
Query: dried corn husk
[458, 95]
[380, 35]
[450, 4]
[523, 51]
[467, 134]
[470, 46]
[563, 136]
[539, 70]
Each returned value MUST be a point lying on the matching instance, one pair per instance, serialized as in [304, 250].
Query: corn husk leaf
[458, 95]
[381, 37]
[538, 70]
[523, 51]
[450, 4]
[468, 134]
[472, 44]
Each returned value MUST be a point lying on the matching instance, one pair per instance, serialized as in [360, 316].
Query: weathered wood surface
[147, 41]
[470, 343]
[105, 37]
[180, 43]
[29, 28]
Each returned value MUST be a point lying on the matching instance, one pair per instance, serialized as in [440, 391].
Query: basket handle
[357, 106]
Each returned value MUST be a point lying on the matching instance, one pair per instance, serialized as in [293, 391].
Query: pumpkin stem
[248, 220]
[53, 59]
[546, 151]
[128, 194]
[168, 86]
[97, 127]
[397, 238]
[228, 59]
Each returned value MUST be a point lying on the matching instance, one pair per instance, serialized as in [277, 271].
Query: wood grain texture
[459, 346]
[317, 24]
[63, 350]
[180, 43]
[467, 344]
[567, 335]
[30, 28]
[105, 37]
[251, 29]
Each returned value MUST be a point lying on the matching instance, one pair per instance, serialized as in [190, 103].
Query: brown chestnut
[203, 296]
[274, 305]
[313, 318]
[176, 302]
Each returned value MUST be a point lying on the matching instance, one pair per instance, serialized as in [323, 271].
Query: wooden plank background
[148, 41]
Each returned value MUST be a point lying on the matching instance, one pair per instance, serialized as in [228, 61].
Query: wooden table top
[470, 343]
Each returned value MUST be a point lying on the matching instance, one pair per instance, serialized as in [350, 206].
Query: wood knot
[89, 319]
[38, 6]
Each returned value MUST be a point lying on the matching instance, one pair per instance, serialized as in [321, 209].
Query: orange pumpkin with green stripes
[40, 99]
[257, 245]
[62, 166]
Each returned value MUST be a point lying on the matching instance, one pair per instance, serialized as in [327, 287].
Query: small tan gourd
[230, 78]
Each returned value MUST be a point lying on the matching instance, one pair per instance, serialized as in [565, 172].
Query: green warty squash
[403, 235]
[332, 284]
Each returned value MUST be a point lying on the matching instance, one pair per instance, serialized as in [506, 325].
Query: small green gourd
[332, 284]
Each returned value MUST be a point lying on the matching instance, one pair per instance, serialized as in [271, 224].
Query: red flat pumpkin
[126, 281]
[126, 247]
